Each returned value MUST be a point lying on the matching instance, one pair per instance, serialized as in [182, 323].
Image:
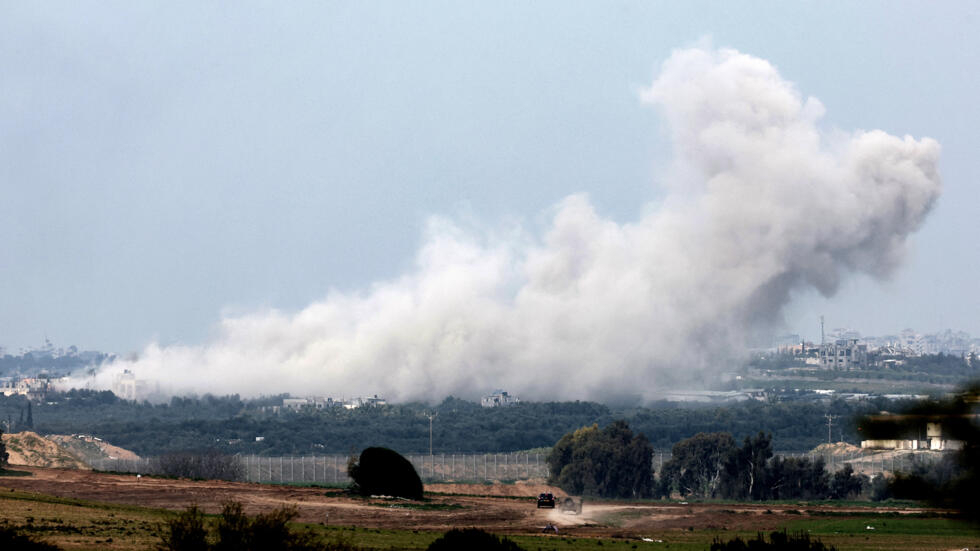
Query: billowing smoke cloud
[759, 202]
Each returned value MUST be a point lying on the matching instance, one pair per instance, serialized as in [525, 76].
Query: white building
[499, 398]
[126, 386]
[843, 354]
[934, 441]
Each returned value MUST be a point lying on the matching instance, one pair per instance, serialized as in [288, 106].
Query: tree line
[231, 424]
[613, 462]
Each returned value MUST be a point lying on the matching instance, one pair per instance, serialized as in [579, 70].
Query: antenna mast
[830, 424]
[431, 416]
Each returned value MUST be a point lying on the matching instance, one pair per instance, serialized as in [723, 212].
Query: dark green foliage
[472, 539]
[698, 464]
[11, 538]
[381, 471]
[611, 462]
[844, 483]
[778, 541]
[210, 465]
[231, 425]
[746, 473]
[881, 489]
[798, 478]
[186, 532]
[711, 466]
[234, 531]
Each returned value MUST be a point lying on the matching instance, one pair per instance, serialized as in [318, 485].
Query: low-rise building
[499, 398]
[844, 354]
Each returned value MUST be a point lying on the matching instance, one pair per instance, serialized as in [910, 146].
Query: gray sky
[163, 166]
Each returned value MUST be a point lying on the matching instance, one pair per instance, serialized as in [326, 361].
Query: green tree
[746, 469]
[611, 462]
[844, 483]
[381, 471]
[697, 465]
[798, 478]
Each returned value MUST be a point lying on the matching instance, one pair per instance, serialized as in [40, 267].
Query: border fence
[489, 467]
[332, 469]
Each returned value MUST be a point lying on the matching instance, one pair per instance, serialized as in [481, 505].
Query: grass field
[85, 525]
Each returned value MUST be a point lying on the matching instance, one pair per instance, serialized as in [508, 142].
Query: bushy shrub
[778, 541]
[11, 538]
[844, 483]
[380, 471]
[234, 531]
[186, 532]
[881, 488]
[472, 539]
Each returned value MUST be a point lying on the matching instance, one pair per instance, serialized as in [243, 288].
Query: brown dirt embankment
[31, 449]
[90, 448]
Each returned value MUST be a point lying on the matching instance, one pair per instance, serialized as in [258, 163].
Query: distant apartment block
[844, 354]
[297, 404]
[499, 398]
[33, 388]
[126, 386]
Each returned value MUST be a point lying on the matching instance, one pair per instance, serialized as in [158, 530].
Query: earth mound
[90, 448]
[839, 448]
[31, 449]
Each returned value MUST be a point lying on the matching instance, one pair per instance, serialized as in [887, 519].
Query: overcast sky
[164, 166]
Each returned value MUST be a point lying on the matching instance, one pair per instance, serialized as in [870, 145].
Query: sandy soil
[89, 448]
[29, 448]
[493, 507]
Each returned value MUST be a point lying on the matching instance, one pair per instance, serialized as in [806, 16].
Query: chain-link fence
[332, 469]
[489, 467]
[870, 462]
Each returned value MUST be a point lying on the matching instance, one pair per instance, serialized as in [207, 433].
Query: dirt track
[451, 506]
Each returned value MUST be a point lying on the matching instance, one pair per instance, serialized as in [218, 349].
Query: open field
[89, 510]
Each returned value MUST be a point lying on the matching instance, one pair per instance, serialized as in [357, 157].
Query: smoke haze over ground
[760, 201]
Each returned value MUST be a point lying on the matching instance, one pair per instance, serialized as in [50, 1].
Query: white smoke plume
[759, 202]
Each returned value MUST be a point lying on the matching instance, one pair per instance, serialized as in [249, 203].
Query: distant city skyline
[831, 333]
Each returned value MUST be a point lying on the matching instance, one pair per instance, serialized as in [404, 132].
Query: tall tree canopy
[611, 462]
[697, 465]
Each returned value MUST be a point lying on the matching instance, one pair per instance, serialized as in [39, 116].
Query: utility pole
[431, 416]
[830, 424]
